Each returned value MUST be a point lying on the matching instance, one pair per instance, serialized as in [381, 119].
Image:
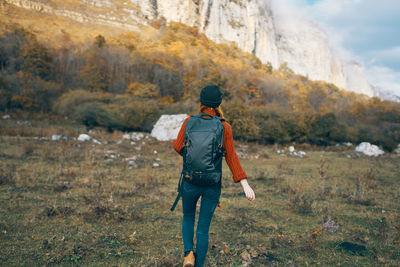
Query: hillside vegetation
[126, 82]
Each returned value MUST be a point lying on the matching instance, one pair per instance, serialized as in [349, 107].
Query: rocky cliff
[251, 24]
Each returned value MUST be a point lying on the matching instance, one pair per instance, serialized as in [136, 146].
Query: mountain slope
[252, 25]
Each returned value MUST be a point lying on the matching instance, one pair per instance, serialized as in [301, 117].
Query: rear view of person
[202, 141]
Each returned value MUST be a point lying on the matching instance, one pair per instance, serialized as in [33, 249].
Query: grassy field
[79, 203]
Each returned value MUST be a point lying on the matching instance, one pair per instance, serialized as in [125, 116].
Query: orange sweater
[230, 154]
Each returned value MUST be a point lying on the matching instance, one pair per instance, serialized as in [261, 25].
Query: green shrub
[68, 102]
[96, 114]
[136, 114]
[271, 131]
[326, 129]
[388, 144]
[241, 121]
[121, 112]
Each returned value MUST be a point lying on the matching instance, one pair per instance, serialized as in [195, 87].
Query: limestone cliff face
[251, 24]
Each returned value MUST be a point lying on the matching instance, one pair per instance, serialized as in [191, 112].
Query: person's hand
[247, 190]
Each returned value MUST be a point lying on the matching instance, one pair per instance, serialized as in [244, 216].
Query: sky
[367, 31]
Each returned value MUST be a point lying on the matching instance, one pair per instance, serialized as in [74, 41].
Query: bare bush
[300, 201]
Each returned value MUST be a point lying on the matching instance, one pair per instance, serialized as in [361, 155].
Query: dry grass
[78, 32]
[67, 203]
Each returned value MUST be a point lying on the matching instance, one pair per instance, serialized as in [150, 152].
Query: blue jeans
[209, 201]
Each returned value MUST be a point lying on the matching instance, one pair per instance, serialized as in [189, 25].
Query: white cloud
[366, 31]
[391, 54]
[384, 77]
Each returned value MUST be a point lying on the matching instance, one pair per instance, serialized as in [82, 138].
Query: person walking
[202, 141]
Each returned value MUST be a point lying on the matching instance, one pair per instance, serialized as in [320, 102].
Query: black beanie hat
[211, 96]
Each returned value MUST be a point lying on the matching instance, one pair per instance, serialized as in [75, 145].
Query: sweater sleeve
[178, 142]
[231, 156]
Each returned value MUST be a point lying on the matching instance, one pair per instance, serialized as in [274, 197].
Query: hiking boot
[188, 261]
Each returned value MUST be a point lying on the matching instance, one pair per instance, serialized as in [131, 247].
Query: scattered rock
[85, 137]
[241, 155]
[96, 141]
[156, 165]
[348, 144]
[292, 152]
[5, 117]
[132, 161]
[26, 123]
[369, 150]
[135, 136]
[300, 154]
[131, 158]
[56, 137]
[110, 154]
[119, 142]
[167, 127]
[41, 138]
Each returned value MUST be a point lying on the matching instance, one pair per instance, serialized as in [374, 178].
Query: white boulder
[291, 149]
[96, 141]
[167, 127]
[6, 117]
[56, 137]
[85, 137]
[369, 150]
[301, 154]
[156, 165]
[135, 136]
[126, 136]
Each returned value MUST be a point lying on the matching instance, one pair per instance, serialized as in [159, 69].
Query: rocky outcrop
[251, 24]
[369, 150]
[127, 19]
[167, 127]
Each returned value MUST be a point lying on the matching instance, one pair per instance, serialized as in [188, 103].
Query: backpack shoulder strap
[208, 116]
[179, 193]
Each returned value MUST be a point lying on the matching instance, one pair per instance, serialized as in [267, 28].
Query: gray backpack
[202, 151]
